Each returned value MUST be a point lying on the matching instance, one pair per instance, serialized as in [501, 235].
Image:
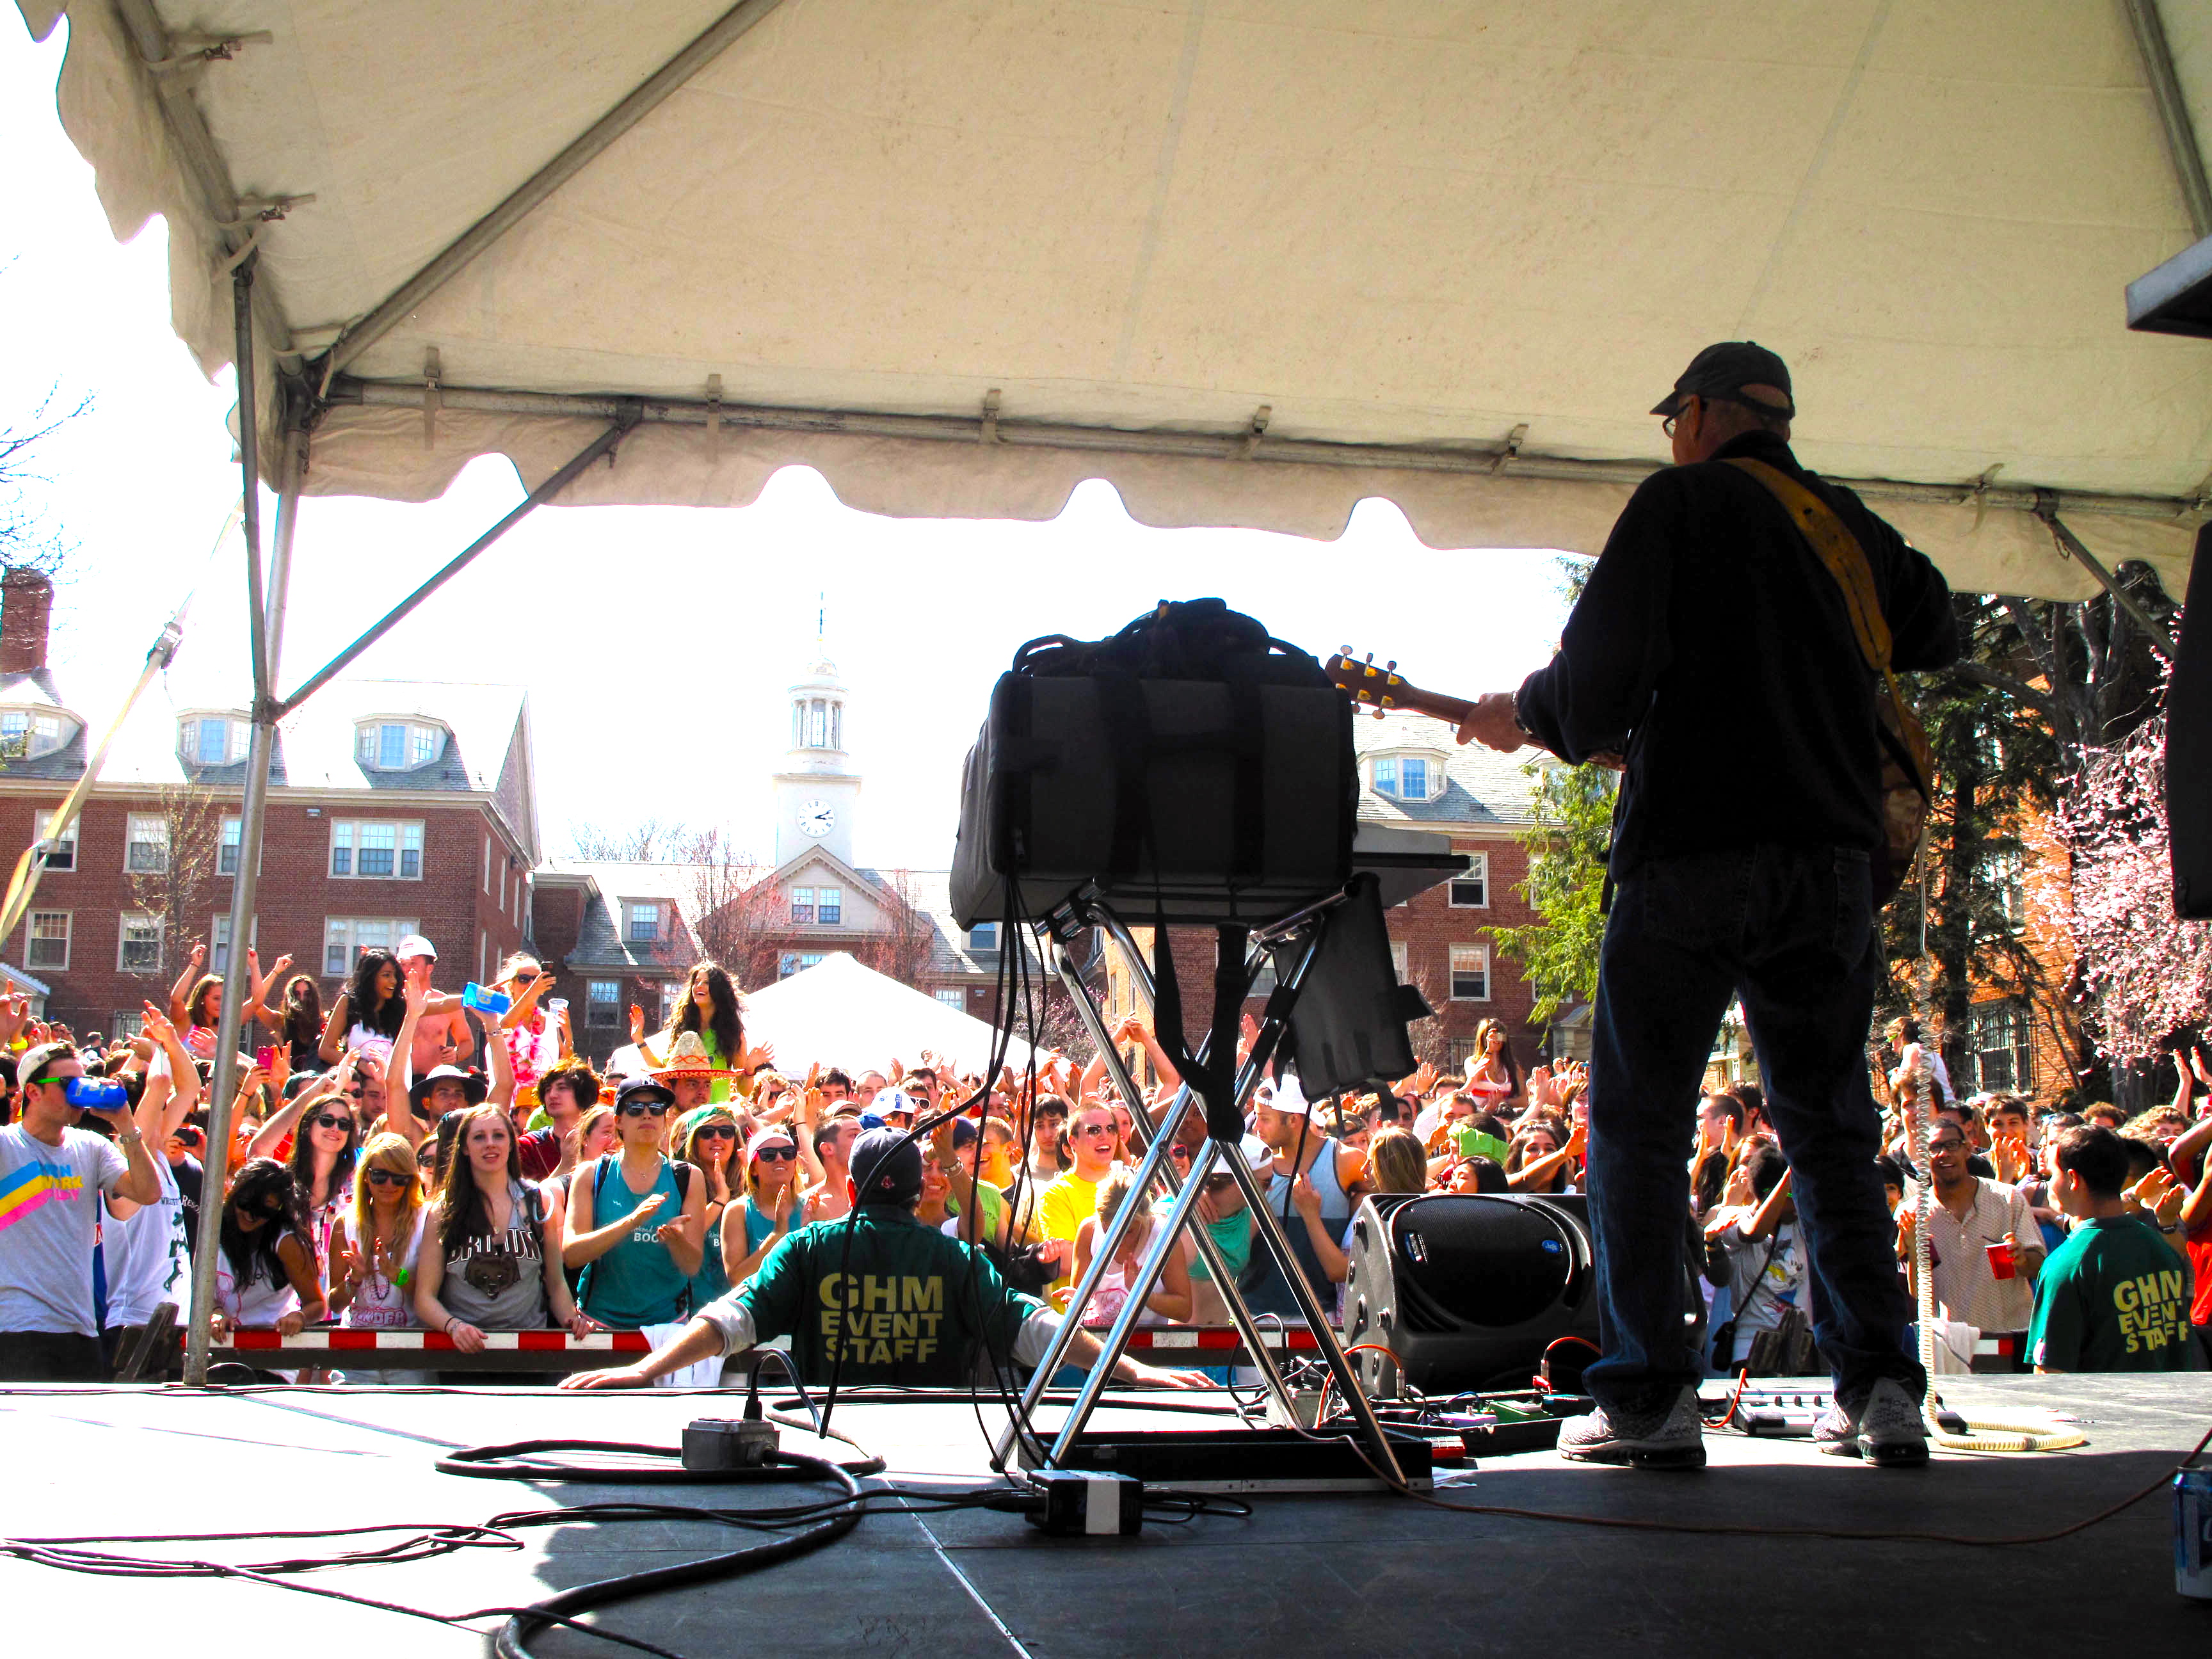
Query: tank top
[636, 1283]
[1112, 1296]
[386, 1304]
[1265, 1289]
[260, 1305]
[711, 1280]
[515, 1300]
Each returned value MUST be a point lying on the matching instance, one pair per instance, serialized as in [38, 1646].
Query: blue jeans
[1792, 931]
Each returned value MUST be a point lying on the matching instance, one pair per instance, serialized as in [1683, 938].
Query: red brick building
[394, 807]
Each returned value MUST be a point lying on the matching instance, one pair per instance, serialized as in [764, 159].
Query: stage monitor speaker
[2189, 745]
[1468, 1290]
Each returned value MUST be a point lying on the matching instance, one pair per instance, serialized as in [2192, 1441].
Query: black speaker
[1466, 1290]
[2189, 745]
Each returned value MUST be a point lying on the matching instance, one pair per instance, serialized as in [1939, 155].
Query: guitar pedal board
[1774, 1411]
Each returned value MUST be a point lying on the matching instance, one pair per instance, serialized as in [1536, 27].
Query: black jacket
[1711, 648]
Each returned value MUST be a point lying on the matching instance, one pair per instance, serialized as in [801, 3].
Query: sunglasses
[387, 1178]
[636, 1109]
[1094, 1129]
[268, 1210]
[775, 1154]
[1180, 1153]
[526, 979]
[330, 1121]
[716, 1132]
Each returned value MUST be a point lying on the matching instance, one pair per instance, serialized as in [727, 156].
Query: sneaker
[1887, 1431]
[1672, 1438]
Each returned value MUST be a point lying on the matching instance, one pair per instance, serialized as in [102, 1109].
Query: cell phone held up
[265, 1057]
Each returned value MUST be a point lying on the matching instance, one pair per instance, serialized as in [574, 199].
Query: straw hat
[687, 1057]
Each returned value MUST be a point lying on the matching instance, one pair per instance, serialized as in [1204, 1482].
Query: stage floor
[1303, 1576]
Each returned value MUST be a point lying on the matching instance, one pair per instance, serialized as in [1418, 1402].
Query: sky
[654, 643]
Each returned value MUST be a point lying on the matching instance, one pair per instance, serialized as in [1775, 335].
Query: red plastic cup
[2001, 1262]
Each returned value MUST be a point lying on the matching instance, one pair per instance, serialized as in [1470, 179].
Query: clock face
[817, 818]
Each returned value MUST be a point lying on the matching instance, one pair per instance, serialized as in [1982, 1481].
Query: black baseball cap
[645, 1091]
[1724, 370]
[886, 1167]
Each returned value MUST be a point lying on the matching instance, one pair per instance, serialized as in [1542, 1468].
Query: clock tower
[817, 793]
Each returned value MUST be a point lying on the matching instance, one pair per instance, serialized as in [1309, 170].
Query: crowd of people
[375, 1179]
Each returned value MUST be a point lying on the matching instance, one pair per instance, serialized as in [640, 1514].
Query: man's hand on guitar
[1492, 721]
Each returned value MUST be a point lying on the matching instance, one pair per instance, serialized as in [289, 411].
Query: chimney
[26, 609]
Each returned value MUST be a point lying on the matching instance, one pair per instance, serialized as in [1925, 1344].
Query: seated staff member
[908, 1305]
[636, 1274]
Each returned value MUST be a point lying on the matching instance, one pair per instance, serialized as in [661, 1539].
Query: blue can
[2193, 1533]
[98, 1094]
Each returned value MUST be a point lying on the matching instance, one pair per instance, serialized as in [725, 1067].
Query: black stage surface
[1303, 1576]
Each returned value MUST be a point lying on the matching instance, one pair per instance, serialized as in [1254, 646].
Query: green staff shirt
[908, 1304]
[2112, 1297]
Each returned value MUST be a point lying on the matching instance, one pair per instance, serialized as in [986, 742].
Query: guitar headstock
[1358, 678]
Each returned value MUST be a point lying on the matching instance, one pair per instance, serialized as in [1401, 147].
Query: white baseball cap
[415, 945]
[1287, 1097]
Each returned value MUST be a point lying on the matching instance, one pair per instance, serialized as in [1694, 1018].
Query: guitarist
[1713, 650]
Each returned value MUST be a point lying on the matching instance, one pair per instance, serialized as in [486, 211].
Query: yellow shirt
[1064, 1206]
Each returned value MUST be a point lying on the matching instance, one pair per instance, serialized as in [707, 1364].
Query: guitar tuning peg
[1370, 657]
[1343, 651]
[1391, 666]
[1378, 713]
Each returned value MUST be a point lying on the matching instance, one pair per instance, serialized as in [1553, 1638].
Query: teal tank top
[636, 1283]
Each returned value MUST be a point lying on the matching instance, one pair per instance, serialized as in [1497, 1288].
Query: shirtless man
[443, 1035]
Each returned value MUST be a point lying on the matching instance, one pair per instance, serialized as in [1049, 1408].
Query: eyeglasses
[331, 1121]
[637, 1108]
[387, 1178]
[775, 1154]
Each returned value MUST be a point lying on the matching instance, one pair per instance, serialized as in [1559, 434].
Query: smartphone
[265, 1058]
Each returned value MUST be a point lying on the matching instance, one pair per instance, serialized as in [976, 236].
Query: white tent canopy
[1250, 260]
[839, 1013]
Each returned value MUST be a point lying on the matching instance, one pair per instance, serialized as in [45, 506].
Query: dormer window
[212, 739]
[1408, 777]
[27, 733]
[398, 745]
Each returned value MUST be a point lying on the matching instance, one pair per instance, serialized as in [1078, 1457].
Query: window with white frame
[25, 733]
[47, 943]
[602, 1002]
[226, 857]
[829, 906]
[952, 996]
[372, 849]
[487, 875]
[219, 942]
[344, 937]
[146, 850]
[398, 745]
[984, 936]
[2000, 1056]
[797, 962]
[214, 739]
[124, 1025]
[1470, 973]
[1406, 777]
[62, 856]
[644, 927]
[2005, 874]
[802, 906]
[138, 947]
[1398, 958]
[1471, 891]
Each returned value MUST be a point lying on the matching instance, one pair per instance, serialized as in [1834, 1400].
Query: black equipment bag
[2189, 745]
[1192, 766]
[1348, 1025]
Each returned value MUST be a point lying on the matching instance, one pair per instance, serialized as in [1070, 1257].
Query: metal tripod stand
[1304, 930]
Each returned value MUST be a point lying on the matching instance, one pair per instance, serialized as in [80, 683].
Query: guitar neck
[1386, 690]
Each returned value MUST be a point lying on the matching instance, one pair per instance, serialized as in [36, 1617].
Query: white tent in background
[841, 1013]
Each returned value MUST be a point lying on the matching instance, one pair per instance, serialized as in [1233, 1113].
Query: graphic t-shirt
[908, 1305]
[146, 1258]
[49, 1208]
[2112, 1297]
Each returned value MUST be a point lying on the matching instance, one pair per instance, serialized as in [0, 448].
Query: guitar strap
[1846, 561]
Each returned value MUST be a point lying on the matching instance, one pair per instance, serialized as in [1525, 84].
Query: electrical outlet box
[726, 1443]
[1089, 1502]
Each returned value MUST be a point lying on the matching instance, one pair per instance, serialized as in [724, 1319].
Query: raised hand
[1307, 1197]
[2009, 1157]
[636, 1023]
[153, 1023]
[2160, 1194]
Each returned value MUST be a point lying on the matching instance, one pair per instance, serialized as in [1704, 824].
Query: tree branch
[2019, 689]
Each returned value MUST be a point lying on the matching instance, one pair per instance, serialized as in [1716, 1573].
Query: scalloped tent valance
[1250, 260]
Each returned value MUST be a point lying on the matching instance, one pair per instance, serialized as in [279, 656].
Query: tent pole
[249, 463]
[588, 145]
[2173, 112]
[2071, 545]
[602, 445]
[238, 980]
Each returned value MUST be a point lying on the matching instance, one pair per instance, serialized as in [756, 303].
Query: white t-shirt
[147, 1259]
[49, 1206]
